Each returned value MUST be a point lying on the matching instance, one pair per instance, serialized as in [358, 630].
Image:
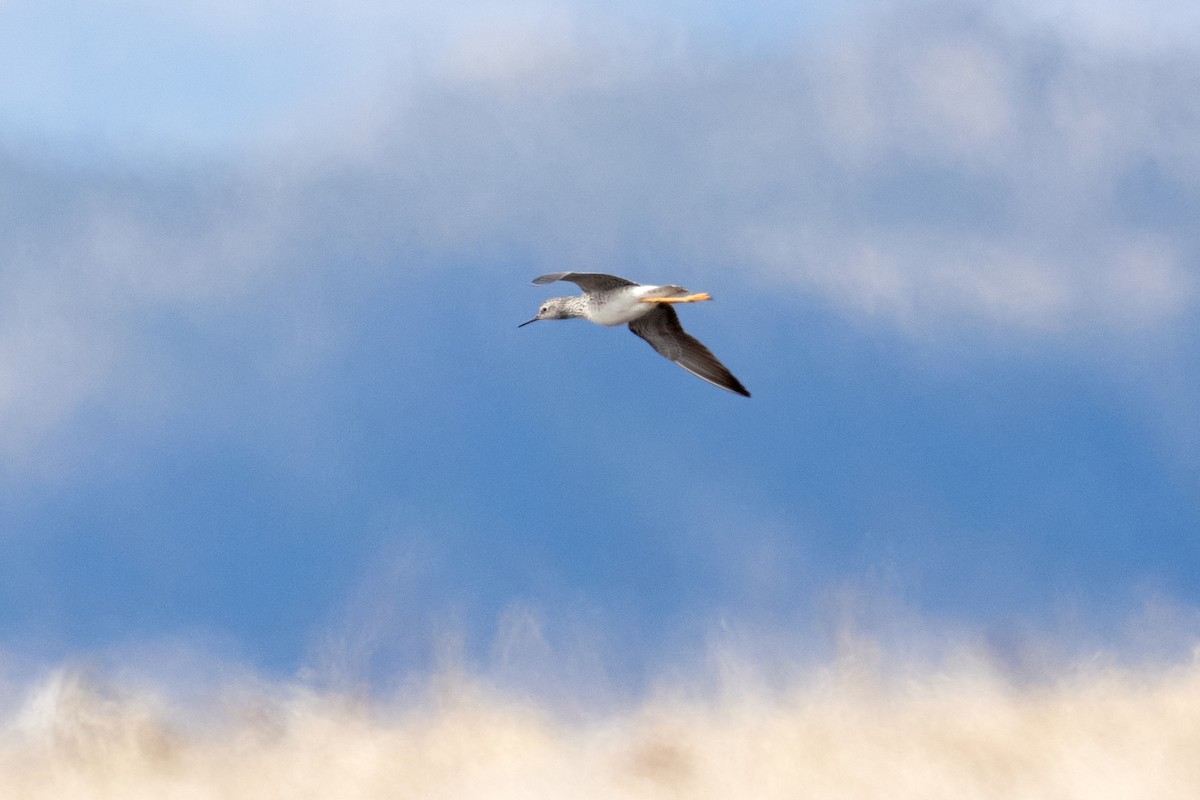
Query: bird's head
[554, 308]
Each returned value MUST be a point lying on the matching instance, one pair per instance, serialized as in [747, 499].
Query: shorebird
[609, 300]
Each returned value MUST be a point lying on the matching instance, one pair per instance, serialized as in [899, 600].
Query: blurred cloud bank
[940, 167]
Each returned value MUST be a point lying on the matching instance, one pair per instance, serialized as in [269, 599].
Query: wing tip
[722, 380]
[731, 384]
[551, 278]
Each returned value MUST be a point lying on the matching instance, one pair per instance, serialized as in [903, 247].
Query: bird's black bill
[523, 324]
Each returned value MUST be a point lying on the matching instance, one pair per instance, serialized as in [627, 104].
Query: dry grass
[961, 733]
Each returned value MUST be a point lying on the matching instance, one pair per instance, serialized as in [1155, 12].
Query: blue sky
[263, 391]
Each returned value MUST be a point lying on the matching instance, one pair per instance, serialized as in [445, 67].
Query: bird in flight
[609, 300]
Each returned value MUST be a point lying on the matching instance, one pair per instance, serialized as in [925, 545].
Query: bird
[648, 310]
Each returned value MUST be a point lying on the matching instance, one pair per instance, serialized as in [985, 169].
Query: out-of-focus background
[266, 419]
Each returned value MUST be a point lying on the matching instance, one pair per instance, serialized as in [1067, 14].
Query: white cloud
[1129, 284]
[1013, 150]
[928, 167]
[1145, 281]
[87, 288]
[1123, 26]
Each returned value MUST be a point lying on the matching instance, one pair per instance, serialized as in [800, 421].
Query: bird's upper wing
[588, 281]
[662, 330]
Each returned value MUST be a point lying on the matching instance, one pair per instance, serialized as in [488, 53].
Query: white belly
[625, 307]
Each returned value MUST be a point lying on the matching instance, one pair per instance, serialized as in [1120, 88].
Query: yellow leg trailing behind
[691, 298]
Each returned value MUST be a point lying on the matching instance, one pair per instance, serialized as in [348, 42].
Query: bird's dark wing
[662, 330]
[588, 281]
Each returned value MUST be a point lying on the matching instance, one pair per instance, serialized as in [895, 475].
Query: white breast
[623, 307]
